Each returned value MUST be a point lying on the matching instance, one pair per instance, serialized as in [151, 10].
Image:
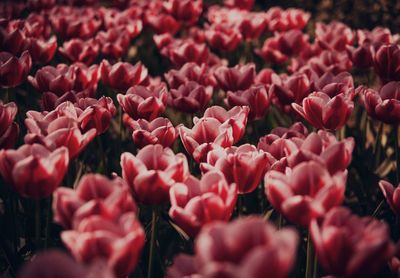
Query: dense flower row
[209, 132]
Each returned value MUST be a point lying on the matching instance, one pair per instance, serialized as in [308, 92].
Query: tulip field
[199, 139]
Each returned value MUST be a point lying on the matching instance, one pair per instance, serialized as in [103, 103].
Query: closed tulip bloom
[362, 56]
[187, 11]
[195, 203]
[377, 36]
[190, 97]
[223, 37]
[246, 247]
[9, 129]
[240, 77]
[182, 51]
[121, 76]
[190, 72]
[292, 89]
[306, 192]
[256, 97]
[119, 242]
[42, 51]
[387, 63]
[284, 20]
[334, 35]
[14, 70]
[158, 131]
[245, 166]
[94, 195]
[324, 112]
[77, 50]
[32, 170]
[152, 172]
[114, 42]
[162, 23]
[51, 263]
[141, 102]
[392, 195]
[383, 105]
[351, 246]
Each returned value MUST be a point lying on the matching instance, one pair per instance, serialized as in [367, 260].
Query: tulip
[334, 36]
[392, 195]
[362, 56]
[128, 19]
[351, 246]
[162, 23]
[306, 192]
[51, 263]
[223, 37]
[114, 42]
[241, 4]
[14, 70]
[140, 102]
[251, 25]
[246, 247]
[9, 129]
[327, 60]
[215, 130]
[190, 72]
[32, 170]
[41, 51]
[256, 97]
[376, 37]
[77, 50]
[158, 131]
[94, 195]
[190, 97]
[240, 77]
[64, 78]
[119, 242]
[284, 20]
[292, 89]
[387, 63]
[152, 172]
[121, 76]
[245, 166]
[187, 11]
[383, 105]
[195, 203]
[181, 51]
[324, 112]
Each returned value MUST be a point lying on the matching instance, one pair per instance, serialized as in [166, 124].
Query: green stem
[48, 223]
[152, 242]
[378, 145]
[37, 222]
[310, 258]
[280, 221]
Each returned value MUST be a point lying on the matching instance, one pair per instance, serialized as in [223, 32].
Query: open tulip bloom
[199, 139]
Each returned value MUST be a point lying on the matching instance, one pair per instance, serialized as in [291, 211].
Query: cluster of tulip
[254, 150]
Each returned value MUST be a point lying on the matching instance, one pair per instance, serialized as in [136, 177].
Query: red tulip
[383, 105]
[121, 76]
[140, 102]
[187, 11]
[241, 4]
[162, 23]
[284, 20]
[32, 170]
[256, 97]
[190, 97]
[50, 101]
[9, 129]
[14, 70]
[324, 112]
[98, 237]
[327, 60]
[246, 247]
[63, 78]
[376, 37]
[51, 263]
[387, 63]
[240, 77]
[190, 72]
[182, 51]
[152, 172]
[158, 131]
[223, 37]
[292, 89]
[307, 192]
[333, 84]
[60, 127]
[334, 36]
[245, 166]
[392, 195]
[94, 195]
[218, 128]
[195, 203]
[114, 42]
[362, 56]
[128, 19]
[77, 50]
[351, 246]
[251, 25]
